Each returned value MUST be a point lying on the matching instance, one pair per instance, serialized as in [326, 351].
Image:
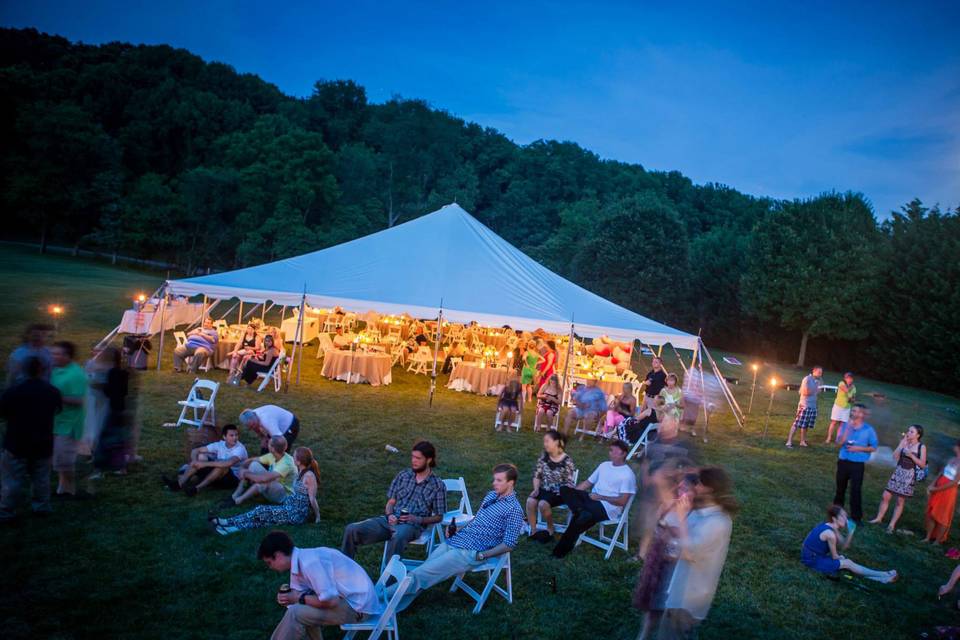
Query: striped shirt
[499, 520]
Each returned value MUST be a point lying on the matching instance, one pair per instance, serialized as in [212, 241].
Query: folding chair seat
[386, 620]
[426, 539]
[275, 373]
[559, 527]
[515, 425]
[203, 410]
[639, 448]
[493, 567]
[621, 533]
[583, 429]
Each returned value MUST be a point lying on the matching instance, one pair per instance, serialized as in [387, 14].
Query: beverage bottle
[452, 529]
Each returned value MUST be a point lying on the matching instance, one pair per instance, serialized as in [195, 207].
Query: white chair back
[386, 620]
[464, 508]
[180, 337]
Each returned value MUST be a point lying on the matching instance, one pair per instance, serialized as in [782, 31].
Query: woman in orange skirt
[942, 499]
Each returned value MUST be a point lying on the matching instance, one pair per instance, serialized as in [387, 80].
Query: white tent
[445, 257]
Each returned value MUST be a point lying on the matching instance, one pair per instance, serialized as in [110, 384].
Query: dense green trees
[150, 151]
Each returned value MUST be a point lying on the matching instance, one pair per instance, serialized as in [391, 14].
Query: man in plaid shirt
[807, 409]
[493, 531]
[416, 500]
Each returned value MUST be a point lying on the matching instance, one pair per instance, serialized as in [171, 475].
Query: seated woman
[295, 508]
[672, 396]
[246, 348]
[261, 362]
[548, 401]
[554, 469]
[510, 404]
[819, 550]
[621, 408]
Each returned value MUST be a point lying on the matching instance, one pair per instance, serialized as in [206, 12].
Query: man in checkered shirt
[807, 409]
[494, 530]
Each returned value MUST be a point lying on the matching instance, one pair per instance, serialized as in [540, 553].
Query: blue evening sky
[781, 99]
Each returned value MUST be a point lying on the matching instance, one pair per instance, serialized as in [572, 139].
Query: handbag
[920, 473]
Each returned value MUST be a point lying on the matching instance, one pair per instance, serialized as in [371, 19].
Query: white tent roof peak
[447, 256]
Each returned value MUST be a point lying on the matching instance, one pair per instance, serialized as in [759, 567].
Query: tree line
[150, 151]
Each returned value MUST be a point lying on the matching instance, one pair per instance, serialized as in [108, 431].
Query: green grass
[139, 562]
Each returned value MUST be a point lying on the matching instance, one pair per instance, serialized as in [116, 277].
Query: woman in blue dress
[819, 551]
[296, 508]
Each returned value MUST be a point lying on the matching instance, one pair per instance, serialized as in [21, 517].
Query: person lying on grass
[270, 475]
[819, 550]
[216, 465]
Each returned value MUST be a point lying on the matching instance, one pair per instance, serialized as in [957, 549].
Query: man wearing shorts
[807, 409]
[69, 378]
[840, 414]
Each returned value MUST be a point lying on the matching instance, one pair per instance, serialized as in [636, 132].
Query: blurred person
[602, 496]
[260, 362]
[248, 346]
[96, 405]
[840, 413]
[296, 508]
[528, 373]
[591, 403]
[268, 421]
[34, 345]
[494, 531]
[623, 406]
[554, 469]
[29, 409]
[548, 362]
[860, 440]
[950, 585]
[807, 408]
[69, 378]
[270, 475]
[660, 556]
[114, 441]
[672, 396]
[942, 500]
[703, 526]
[201, 344]
[910, 455]
[654, 381]
[819, 550]
[216, 465]
[326, 587]
[510, 403]
[548, 401]
[416, 500]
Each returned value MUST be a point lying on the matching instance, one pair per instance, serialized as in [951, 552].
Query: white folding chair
[275, 372]
[426, 539]
[420, 360]
[180, 337]
[463, 513]
[493, 568]
[581, 428]
[386, 620]
[325, 343]
[399, 354]
[639, 448]
[559, 527]
[621, 534]
[515, 425]
[203, 409]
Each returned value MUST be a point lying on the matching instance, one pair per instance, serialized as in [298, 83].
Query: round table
[467, 376]
[352, 366]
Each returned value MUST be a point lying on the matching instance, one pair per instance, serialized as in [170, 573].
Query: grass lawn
[140, 562]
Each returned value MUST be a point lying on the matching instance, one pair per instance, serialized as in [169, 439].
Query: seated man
[217, 464]
[494, 531]
[268, 421]
[591, 402]
[201, 344]
[271, 475]
[613, 483]
[326, 587]
[416, 500]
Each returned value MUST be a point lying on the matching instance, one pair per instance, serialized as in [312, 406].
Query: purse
[920, 473]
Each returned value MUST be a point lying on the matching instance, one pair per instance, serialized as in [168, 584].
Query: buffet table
[148, 322]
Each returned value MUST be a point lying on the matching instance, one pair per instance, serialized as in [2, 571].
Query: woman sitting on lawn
[295, 508]
[942, 498]
[910, 455]
[819, 550]
[261, 362]
[548, 401]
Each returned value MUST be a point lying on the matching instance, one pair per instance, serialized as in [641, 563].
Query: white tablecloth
[467, 376]
[311, 328]
[177, 313]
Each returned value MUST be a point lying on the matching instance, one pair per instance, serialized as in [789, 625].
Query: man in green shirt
[840, 414]
[69, 378]
[271, 475]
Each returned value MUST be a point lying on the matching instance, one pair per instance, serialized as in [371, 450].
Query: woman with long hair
[510, 403]
[554, 469]
[548, 401]
[248, 346]
[910, 455]
[942, 498]
[819, 550]
[295, 508]
[261, 362]
[548, 362]
[529, 370]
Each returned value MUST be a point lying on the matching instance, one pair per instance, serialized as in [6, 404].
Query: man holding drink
[858, 442]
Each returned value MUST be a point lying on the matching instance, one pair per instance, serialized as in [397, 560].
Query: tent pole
[163, 317]
[436, 349]
[283, 312]
[203, 310]
[263, 312]
[566, 365]
[298, 345]
[703, 393]
[731, 400]
[240, 313]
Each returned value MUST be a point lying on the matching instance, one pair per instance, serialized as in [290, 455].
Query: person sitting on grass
[215, 465]
[326, 587]
[296, 508]
[819, 551]
[591, 403]
[493, 532]
[555, 469]
[510, 404]
[548, 401]
[271, 475]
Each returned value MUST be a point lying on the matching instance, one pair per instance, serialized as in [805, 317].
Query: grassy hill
[140, 562]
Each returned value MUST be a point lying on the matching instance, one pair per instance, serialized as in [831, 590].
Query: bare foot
[803, 444]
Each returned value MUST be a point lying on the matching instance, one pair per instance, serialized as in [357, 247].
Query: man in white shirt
[326, 587]
[703, 537]
[217, 465]
[602, 496]
[268, 421]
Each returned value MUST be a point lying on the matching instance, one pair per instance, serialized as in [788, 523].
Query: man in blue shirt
[858, 442]
[493, 531]
[591, 403]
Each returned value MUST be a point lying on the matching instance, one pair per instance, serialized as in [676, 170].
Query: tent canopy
[446, 256]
